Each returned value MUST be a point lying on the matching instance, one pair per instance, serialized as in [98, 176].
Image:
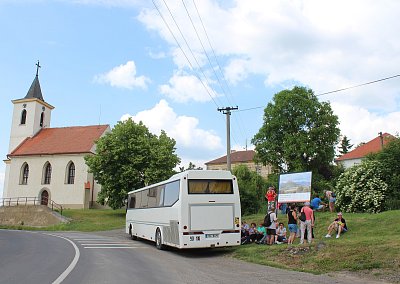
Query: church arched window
[23, 116]
[71, 173]
[41, 119]
[24, 174]
[46, 173]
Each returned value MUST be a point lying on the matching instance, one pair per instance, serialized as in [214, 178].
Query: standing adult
[292, 223]
[271, 229]
[307, 224]
[270, 195]
[332, 200]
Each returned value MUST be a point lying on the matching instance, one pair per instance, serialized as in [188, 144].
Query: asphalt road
[111, 257]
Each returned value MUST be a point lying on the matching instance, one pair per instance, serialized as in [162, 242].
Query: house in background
[48, 163]
[240, 158]
[355, 156]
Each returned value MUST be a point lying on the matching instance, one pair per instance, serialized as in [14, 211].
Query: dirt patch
[33, 216]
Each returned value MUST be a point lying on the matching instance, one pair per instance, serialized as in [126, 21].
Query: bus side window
[160, 195]
[145, 198]
[171, 194]
[132, 201]
[152, 195]
[138, 200]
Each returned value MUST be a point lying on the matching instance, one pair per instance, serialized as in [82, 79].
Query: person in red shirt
[271, 196]
[308, 223]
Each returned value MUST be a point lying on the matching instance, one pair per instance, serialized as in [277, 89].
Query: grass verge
[85, 220]
[371, 244]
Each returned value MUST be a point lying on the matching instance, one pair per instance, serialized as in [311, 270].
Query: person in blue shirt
[317, 204]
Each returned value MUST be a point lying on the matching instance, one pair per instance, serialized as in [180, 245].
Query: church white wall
[68, 195]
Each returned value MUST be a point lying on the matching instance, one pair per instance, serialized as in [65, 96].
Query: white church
[48, 163]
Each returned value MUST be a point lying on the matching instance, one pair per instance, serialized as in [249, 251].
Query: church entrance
[44, 198]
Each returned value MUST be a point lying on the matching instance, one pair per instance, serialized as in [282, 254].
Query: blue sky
[103, 61]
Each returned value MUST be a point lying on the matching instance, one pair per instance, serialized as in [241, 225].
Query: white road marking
[72, 264]
[104, 244]
[115, 247]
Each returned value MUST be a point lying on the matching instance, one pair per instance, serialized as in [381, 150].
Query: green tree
[299, 133]
[389, 158]
[251, 188]
[362, 188]
[130, 157]
[344, 146]
[191, 166]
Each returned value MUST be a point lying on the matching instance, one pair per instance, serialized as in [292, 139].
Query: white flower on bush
[361, 188]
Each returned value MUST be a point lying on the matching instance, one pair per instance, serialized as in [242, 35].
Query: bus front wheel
[159, 244]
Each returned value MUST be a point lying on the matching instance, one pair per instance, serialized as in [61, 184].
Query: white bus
[192, 209]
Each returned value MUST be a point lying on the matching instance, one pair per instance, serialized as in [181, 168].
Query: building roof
[236, 157]
[372, 146]
[65, 140]
[35, 91]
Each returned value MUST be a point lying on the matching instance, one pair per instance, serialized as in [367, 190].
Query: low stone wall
[30, 215]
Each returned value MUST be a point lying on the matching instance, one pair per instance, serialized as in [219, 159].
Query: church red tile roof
[372, 146]
[65, 140]
[236, 157]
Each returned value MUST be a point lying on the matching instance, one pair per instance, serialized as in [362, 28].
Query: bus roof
[193, 174]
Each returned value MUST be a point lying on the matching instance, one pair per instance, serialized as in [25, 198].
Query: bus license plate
[211, 236]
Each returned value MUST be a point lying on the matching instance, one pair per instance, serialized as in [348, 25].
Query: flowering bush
[361, 188]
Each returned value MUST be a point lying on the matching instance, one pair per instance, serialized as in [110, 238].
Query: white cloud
[184, 129]
[183, 88]
[325, 45]
[361, 125]
[123, 76]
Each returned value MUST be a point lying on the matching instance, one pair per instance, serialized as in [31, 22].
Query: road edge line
[73, 262]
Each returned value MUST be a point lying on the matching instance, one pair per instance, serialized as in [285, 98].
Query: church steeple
[30, 114]
[35, 91]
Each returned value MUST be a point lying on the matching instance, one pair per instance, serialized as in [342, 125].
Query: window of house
[23, 116]
[47, 174]
[71, 173]
[25, 174]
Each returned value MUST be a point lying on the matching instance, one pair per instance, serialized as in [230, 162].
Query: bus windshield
[202, 186]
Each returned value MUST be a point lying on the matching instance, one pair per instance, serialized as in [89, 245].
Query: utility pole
[227, 111]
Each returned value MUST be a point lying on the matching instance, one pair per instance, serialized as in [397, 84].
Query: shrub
[362, 188]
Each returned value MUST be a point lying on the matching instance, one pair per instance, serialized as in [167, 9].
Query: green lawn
[372, 242]
[85, 220]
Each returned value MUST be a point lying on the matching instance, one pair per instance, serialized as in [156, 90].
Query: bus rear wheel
[159, 244]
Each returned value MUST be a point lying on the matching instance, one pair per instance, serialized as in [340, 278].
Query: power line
[338, 90]
[180, 47]
[229, 93]
[356, 86]
[194, 57]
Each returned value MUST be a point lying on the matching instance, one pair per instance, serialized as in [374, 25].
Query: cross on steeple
[37, 68]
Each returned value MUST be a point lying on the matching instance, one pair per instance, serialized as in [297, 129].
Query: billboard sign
[294, 187]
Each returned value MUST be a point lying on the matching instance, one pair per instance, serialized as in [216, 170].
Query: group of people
[317, 204]
[263, 235]
[300, 222]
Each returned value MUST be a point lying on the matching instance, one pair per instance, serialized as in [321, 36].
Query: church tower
[30, 114]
